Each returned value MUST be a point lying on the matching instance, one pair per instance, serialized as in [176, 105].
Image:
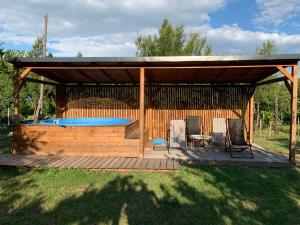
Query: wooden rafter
[285, 72]
[149, 67]
[130, 76]
[195, 76]
[108, 76]
[249, 71]
[279, 79]
[288, 86]
[87, 76]
[221, 74]
[25, 72]
[41, 81]
[56, 74]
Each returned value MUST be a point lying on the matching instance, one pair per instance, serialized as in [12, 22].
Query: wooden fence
[163, 103]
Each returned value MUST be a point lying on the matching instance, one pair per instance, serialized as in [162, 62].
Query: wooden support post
[142, 111]
[293, 123]
[60, 101]
[251, 116]
[16, 95]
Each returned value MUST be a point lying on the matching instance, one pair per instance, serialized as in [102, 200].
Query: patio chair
[177, 134]
[193, 127]
[219, 131]
[237, 142]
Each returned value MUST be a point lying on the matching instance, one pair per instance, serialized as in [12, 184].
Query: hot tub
[86, 122]
[78, 136]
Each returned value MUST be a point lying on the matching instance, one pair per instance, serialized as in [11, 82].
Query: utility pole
[44, 52]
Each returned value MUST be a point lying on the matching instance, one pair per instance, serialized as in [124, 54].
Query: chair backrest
[193, 124]
[236, 131]
[177, 134]
[219, 130]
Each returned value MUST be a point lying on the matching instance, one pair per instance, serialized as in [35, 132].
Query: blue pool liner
[84, 122]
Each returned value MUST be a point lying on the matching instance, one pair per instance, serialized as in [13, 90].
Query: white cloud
[225, 40]
[276, 12]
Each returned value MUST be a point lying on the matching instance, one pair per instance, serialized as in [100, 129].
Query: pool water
[86, 121]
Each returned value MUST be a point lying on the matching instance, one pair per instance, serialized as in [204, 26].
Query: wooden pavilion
[154, 90]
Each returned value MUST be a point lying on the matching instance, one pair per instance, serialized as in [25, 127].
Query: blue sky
[109, 27]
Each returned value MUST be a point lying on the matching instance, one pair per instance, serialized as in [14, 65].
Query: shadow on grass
[228, 195]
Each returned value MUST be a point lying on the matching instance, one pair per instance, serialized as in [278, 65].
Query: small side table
[203, 138]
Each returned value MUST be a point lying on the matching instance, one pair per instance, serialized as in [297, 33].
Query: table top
[200, 137]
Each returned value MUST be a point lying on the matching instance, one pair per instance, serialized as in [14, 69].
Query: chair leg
[250, 146]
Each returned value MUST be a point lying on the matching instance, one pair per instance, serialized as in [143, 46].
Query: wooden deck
[261, 157]
[88, 162]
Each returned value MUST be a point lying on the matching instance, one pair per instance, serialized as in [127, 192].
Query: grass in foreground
[194, 195]
[278, 143]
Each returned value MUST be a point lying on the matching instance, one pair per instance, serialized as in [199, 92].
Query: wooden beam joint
[285, 72]
[25, 72]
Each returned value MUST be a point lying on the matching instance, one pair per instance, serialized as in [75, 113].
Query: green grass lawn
[278, 143]
[5, 141]
[193, 195]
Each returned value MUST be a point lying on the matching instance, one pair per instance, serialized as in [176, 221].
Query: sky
[110, 27]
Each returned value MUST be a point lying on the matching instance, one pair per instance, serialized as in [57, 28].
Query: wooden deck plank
[163, 164]
[156, 164]
[53, 159]
[170, 164]
[112, 163]
[131, 163]
[8, 158]
[78, 162]
[107, 161]
[44, 160]
[137, 163]
[92, 161]
[144, 164]
[176, 165]
[59, 161]
[125, 163]
[150, 164]
[118, 164]
[26, 161]
[87, 162]
[65, 162]
[98, 163]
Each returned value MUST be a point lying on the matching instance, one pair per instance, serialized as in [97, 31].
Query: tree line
[272, 102]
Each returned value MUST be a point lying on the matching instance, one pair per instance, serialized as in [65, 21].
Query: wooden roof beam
[221, 74]
[108, 75]
[87, 76]
[148, 67]
[288, 86]
[279, 79]
[62, 76]
[25, 72]
[285, 72]
[130, 76]
[41, 81]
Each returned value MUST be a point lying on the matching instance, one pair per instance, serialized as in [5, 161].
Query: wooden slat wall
[168, 102]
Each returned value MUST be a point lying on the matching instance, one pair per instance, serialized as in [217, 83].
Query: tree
[37, 48]
[79, 55]
[272, 100]
[268, 48]
[172, 41]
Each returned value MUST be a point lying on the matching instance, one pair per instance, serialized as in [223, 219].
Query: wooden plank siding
[162, 104]
[82, 140]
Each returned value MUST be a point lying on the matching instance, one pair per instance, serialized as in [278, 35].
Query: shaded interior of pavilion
[155, 90]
